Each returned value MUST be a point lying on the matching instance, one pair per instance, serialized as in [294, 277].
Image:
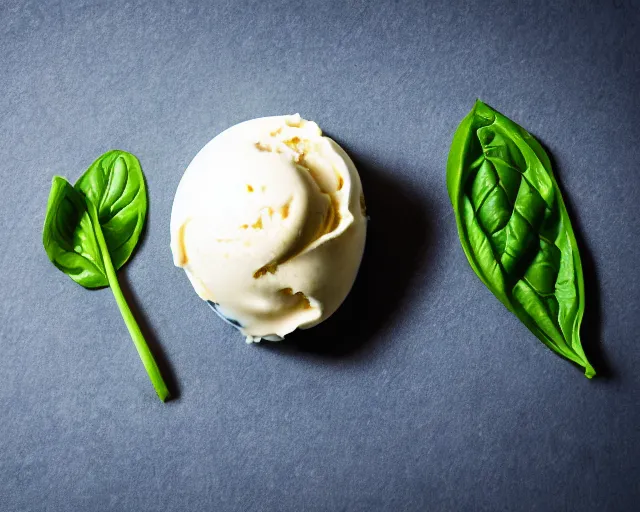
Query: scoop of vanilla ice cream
[269, 225]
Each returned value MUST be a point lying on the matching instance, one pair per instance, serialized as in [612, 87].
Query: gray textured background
[423, 393]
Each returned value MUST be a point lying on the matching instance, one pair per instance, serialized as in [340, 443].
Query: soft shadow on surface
[398, 240]
[591, 331]
[166, 370]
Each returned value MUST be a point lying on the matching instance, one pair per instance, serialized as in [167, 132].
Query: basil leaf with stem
[515, 230]
[89, 247]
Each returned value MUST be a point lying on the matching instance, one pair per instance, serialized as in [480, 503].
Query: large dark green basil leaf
[69, 237]
[515, 230]
[115, 184]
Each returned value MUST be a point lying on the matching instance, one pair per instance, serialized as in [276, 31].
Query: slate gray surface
[423, 393]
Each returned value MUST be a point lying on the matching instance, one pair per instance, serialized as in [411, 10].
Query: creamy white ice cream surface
[269, 225]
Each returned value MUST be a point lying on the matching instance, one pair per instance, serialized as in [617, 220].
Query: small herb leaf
[69, 238]
[115, 185]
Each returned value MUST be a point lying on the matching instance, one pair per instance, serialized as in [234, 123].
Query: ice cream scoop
[269, 225]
